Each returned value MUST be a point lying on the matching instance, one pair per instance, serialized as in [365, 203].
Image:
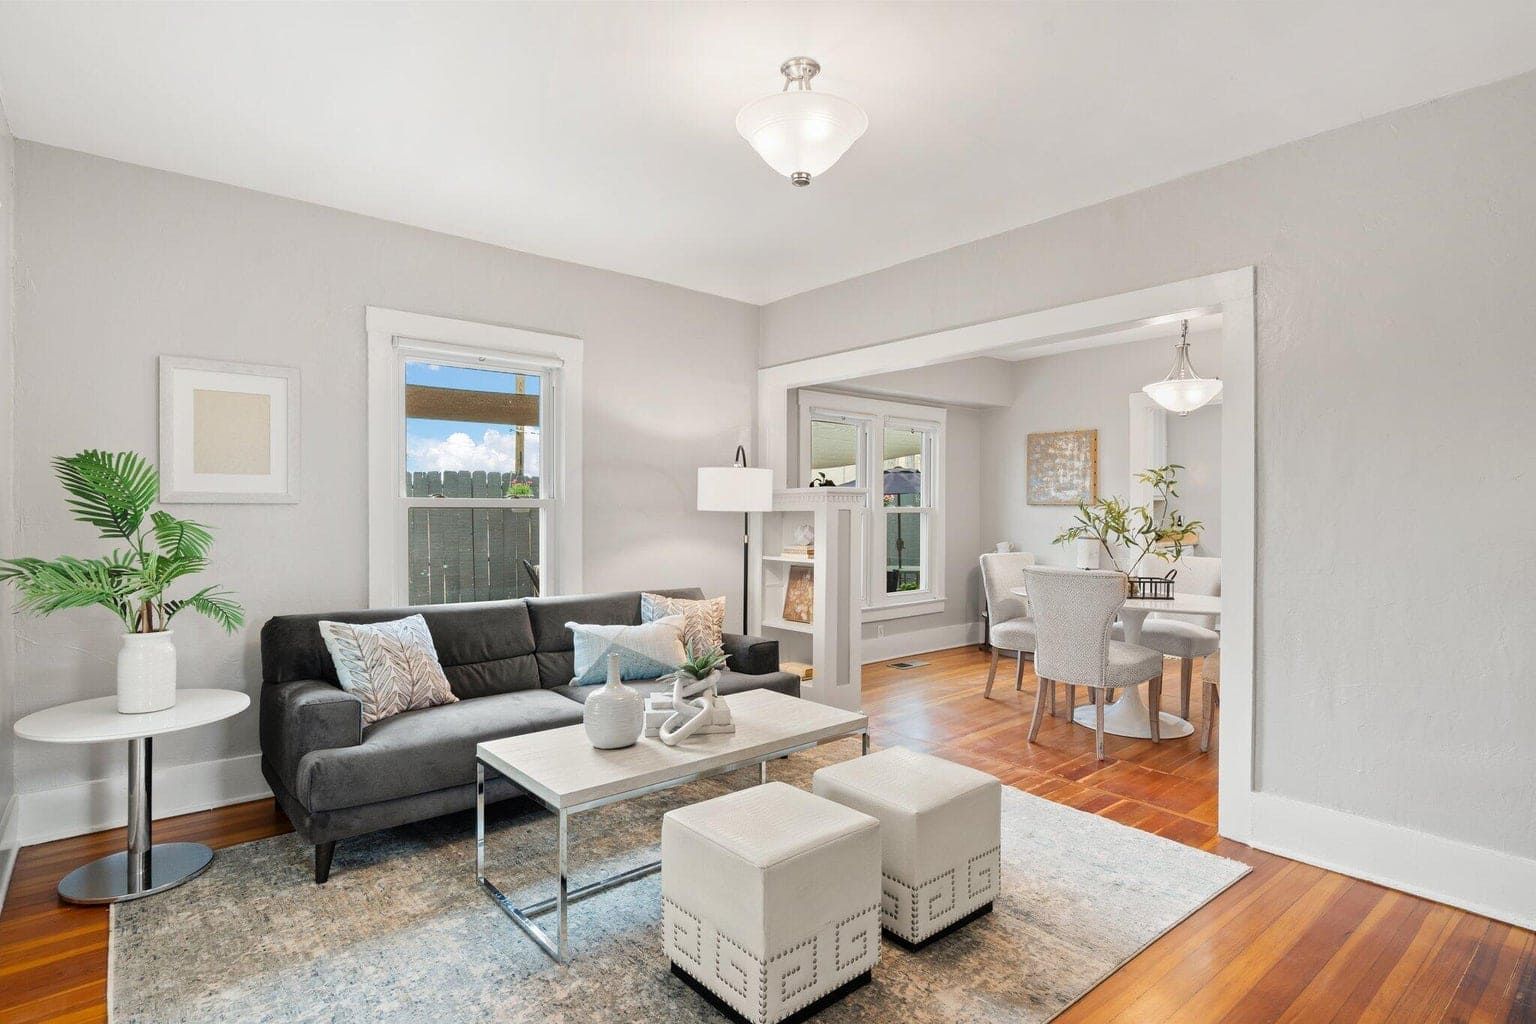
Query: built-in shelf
[778, 622]
[790, 559]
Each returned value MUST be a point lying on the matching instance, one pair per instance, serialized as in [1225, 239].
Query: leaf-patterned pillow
[390, 666]
[703, 621]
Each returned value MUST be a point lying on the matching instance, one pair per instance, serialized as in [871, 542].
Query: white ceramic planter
[615, 715]
[146, 673]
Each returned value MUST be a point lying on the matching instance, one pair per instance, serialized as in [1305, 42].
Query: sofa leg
[323, 854]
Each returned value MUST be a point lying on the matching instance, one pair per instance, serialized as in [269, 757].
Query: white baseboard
[8, 844]
[920, 641]
[1497, 885]
[103, 803]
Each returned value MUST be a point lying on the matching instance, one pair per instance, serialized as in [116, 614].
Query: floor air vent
[908, 664]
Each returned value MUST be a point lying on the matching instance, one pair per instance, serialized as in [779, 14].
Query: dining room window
[893, 451]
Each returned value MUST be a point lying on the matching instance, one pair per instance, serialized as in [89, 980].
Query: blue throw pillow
[645, 651]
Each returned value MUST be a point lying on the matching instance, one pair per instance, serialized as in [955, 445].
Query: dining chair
[1210, 674]
[1073, 610]
[1182, 635]
[1009, 625]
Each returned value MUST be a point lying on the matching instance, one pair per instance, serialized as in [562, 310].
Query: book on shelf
[798, 551]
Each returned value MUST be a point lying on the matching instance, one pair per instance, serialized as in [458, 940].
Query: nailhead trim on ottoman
[771, 901]
[940, 832]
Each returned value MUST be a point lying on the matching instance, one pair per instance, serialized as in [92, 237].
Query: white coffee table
[143, 869]
[565, 773]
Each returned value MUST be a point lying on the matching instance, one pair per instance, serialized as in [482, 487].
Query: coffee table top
[564, 770]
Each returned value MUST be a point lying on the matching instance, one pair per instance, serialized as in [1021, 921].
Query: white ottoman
[771, 900]
[940, 833]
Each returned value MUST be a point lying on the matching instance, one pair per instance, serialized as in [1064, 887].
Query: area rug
[402, 933]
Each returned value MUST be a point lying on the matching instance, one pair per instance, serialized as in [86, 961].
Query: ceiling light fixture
[798, 132]
[1183, 390]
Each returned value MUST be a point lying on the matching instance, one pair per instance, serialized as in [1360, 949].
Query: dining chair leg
[1155, 707]
[991, 673]
[1071, 700]
[1186, 673]
[1098, 723]
[1034, 723]
[1053, 698]
[1212, 700]
[1018, 671]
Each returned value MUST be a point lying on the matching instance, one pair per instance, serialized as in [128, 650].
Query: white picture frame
[229, 432]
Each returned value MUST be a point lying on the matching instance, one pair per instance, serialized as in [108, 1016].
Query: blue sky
[456, 445]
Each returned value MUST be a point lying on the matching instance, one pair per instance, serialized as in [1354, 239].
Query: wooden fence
[464, 554]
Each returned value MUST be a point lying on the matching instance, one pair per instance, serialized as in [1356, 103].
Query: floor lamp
[738, 488]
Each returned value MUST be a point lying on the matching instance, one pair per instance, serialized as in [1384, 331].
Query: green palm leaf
[65, 582]
[111, 491]
[214, 603]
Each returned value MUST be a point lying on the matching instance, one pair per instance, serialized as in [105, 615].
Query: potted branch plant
[1133, 533]
[114, 492]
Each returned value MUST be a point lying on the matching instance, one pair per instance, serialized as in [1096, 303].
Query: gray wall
[1395, 374]
[1091, 389]
[119, 264]
[7, 507]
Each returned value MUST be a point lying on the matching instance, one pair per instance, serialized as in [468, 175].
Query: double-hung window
[894, 451]
[469, 470]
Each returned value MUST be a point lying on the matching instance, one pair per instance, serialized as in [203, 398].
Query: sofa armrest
[750, 655]
[303, 716]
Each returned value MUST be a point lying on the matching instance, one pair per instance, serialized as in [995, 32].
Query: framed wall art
[229, 432]
[1062, 467]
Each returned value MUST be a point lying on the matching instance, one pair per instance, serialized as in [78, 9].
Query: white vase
[615, 715]
[146, 673]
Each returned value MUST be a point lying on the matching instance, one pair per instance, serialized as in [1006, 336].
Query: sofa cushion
[419, 751]
[484, 648]
[391, 667]
[552, 640]
[730, 682]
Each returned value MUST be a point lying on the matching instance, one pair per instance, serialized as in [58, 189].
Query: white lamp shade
[735, 489]
[800, 131]
[1183, 394]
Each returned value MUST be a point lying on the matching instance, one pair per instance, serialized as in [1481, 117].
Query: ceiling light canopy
[798, 132]
[1183, 390]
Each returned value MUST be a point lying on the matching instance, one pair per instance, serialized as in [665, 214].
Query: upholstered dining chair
[1073, 611]
[1183, 636]
[1210, 674]
[1011, 628]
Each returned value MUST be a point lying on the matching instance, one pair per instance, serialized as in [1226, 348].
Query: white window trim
[874, 414]
[393, 334]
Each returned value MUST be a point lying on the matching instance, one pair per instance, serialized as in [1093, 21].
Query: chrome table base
[144, 868]
[556, 947]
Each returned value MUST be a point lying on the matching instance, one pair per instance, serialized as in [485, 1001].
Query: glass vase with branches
[1136, 531]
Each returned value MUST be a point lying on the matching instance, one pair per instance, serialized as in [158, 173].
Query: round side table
[143, 869]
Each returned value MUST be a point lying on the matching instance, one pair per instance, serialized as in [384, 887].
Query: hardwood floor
[1289, 942]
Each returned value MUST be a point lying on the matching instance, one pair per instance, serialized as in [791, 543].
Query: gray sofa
[508, 662]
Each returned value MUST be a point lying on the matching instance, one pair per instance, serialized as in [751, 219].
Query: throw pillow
[703, 621]
[645, 651]
[390, 666]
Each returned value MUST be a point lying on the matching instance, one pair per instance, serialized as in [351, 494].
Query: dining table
[1129, 716]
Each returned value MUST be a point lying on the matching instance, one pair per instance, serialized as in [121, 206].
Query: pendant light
[1183, 390]
[798, 132]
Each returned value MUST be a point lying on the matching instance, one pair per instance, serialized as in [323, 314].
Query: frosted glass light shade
[1185, 394]
[801, 132]
[735, 489]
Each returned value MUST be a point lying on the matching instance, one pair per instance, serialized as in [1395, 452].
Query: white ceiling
[604, 134]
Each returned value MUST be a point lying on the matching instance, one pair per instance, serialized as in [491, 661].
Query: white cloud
[496, 451]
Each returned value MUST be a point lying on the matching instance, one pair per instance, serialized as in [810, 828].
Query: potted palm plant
[1132, 533]
[114, 492]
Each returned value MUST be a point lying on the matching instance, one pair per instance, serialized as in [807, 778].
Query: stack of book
[799, 550]
[658, 708]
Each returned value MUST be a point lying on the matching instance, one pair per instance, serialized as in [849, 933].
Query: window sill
[903, 610]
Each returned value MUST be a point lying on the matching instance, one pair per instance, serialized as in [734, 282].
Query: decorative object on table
[703, 621]
[614, 716]
[229, 432]
[1004, 547]
[797, 132]
[1137, 531]
[647, 651]
[940, 837]
[822, 480]
[695, 707]
[114, 492]
[1087, 551]
[800, 594]
[1062, 467]
[1183, 390]
[770, 900]
[390, 666]
[737, 488]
